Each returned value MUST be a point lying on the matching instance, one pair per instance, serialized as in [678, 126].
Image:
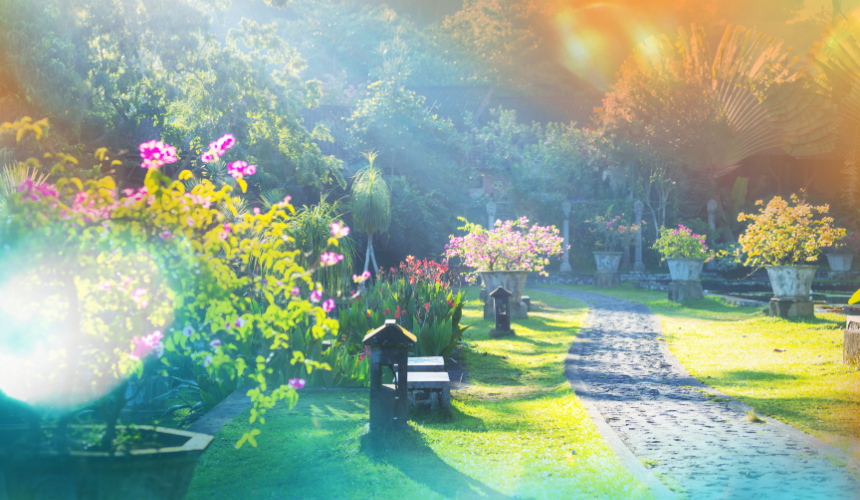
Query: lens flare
[72, 327]
[595, 40]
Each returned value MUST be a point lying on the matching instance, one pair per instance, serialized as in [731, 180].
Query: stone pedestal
[683, 291]
[851, 347]
[790, 307]
[519, 310]
[607, 279]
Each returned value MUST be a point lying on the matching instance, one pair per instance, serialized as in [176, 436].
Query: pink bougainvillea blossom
[215, 343]
[239, 169]
[295, 291]
[339, 230]
[239, 322]
[148, 344]
[207, 360]
[218, 148]
[155, 154]
[316, 295]
[296, 383]
[511, 246]
[328, 306]
[330, 259]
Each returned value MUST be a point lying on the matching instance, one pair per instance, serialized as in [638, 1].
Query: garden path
[701, 448]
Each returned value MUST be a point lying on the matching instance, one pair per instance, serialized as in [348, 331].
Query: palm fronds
[13, 174]
[371, 200]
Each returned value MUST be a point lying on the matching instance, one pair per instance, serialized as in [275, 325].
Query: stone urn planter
[512, 281]
[607, 269]
[685, 279]
[840, 262]
[791, 286]
[162, 473]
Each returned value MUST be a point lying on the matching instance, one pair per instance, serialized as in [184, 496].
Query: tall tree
[708, 111]
[371, 206]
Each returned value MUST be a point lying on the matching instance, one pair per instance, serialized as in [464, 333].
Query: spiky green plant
[371, 206]
[12, 174]
[310, 229]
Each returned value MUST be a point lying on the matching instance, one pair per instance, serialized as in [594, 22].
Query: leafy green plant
[127, 277]
[682, 243]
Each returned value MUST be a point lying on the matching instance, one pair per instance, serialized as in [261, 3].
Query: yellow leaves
[24, 125]
[242, 184]
[185, 175]
[249, 438]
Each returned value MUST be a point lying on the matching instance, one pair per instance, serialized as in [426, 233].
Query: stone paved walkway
[701, 449]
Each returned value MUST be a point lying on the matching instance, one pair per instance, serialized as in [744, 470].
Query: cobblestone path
[700, 448]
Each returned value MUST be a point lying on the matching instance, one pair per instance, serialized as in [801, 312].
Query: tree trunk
[367, 253]
[373, 255]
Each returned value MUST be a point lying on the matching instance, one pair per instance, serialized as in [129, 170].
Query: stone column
[491, 215]
[712, 222]
[638, 208]
[565, 264]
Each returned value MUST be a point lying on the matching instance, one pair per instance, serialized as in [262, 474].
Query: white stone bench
[436, 383]
[426, 364]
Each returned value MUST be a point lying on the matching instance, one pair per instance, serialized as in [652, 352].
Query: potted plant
[784, 237]
[505, 255]
[840, 256]
[98, 285]
[613, 235]
[685, 252]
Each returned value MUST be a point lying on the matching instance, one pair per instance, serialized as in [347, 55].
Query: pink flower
[215, 343]
[256, 211]
[330, 259]
[316, 295]
[188, 330]
[295, 291]
[166, 235]
[239, 169]
[207, 360]
[285, 202]
[156, 153]
[207, 157]
[338, 230]
[240, 322]
[226, 142]
[228, 325]
[104, 285]
[328, 306]
[147, 344]
[296, 383]
[189, 221]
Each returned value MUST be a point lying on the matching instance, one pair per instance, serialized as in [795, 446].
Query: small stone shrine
[389, 347]
[501, 298]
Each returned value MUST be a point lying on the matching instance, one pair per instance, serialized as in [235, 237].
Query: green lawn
[733, 350]
[513, 432]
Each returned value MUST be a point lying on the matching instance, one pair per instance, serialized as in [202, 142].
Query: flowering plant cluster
[682, 243]
[419, 295]
[511, 246]
[104, 283]
[787, 234]
[612, 234]
[850, 243]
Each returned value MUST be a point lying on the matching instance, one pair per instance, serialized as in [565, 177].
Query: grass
[517, 430]
[789, 369]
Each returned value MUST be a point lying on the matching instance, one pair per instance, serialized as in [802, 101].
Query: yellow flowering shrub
[787, 234]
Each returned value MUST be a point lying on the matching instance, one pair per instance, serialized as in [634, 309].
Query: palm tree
[754, 97]
[836, 58]
[371, 206]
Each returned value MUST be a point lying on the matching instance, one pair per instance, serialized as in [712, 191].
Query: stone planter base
[684, 291]
[791, 307]
[607, 279]
[497, 334]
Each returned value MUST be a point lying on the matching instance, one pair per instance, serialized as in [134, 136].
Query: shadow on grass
[408, 452]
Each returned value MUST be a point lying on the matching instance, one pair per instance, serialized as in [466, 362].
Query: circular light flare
[54, 357]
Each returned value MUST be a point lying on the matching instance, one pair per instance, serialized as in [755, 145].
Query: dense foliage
[156, 270]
